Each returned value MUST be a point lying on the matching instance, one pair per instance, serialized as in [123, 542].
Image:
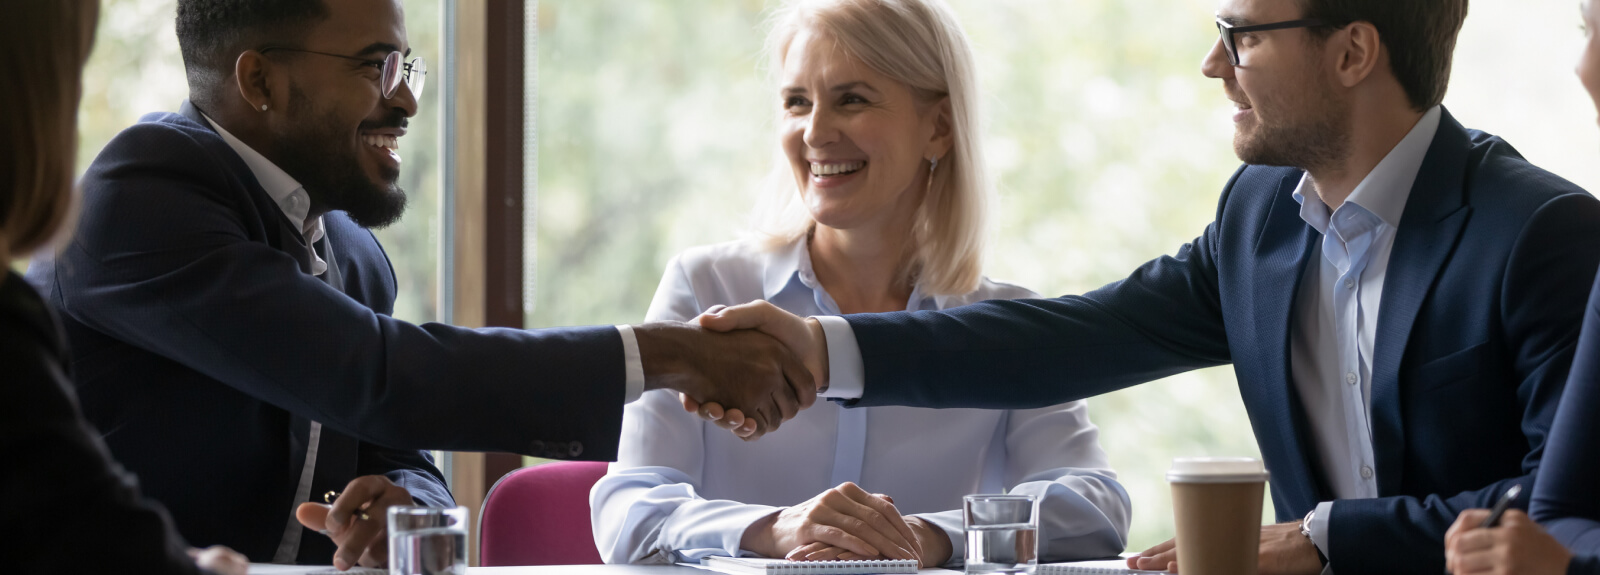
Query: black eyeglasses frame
[1227, 30]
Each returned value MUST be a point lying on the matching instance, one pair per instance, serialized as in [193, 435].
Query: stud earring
[933, 164]
[263, 107]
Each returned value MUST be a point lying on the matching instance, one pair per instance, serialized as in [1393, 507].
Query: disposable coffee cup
[1216, 503]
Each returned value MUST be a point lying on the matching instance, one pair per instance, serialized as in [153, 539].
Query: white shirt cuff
[845, 372]
[1319, 528]
[632, 365]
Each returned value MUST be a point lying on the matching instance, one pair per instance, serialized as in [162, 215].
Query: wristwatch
[1305, 529]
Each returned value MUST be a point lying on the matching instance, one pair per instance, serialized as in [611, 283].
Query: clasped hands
[846, 523]
[748, 367]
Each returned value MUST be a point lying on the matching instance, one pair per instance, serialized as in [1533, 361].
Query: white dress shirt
[683, 489]
[1335, 323]
[284, 190]
[1336, 318]
[296, 205]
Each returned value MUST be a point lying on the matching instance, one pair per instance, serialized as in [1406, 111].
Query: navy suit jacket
[1565, 500]
[203, 348]
[1481, 310]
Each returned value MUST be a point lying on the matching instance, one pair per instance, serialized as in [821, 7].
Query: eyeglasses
[1228, 30]
[392, 71]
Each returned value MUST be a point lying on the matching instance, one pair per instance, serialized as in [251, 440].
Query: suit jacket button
[575, 449]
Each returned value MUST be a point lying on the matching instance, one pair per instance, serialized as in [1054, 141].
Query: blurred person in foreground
[231, 308]
[1399, 296]
[72, 509]
[1565, 501]
[879, 199]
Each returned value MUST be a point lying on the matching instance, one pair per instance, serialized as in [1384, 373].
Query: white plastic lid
[1216, 470]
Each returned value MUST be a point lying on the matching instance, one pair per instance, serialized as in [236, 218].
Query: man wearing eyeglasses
[229, 308]
[1400, 300]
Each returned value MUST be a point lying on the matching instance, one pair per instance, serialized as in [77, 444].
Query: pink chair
[540, 516]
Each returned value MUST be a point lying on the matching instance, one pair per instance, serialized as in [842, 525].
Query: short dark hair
[212, 34]
[1420, 36]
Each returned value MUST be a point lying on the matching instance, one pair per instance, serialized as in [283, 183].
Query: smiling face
[857, 141]
[340, 136]
[1289, 112]
[1589, 62]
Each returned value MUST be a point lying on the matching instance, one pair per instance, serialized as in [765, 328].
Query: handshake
[748, 367]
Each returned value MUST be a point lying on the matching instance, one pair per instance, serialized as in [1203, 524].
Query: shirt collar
[786, 265]
[790, 266]
[279, 185]
[1387, 187]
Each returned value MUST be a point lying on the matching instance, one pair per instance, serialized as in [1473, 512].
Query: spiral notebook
[754, 566]
[1107, 566]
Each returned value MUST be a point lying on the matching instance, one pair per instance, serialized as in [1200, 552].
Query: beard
[1319, 135]
[316, 151]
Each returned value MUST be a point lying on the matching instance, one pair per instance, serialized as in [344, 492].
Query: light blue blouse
[683, 489]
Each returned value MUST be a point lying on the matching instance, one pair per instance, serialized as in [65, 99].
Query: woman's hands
[220, 560]
[846, 517]
[1517, 546]
[935, 547]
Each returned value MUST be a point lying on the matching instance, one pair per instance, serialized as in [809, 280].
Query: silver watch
[1305, 529]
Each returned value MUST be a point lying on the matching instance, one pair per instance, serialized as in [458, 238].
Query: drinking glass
[427, 540]
[1002, 533]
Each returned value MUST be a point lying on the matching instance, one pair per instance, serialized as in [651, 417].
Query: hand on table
[363, 542]
[802, 336]
[933, 540]
[845, 517]
[746, 370]
[1284, 551]
[1517, 545]
[220, 560]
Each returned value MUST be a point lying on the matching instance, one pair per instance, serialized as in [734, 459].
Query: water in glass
[429, 552]
[1006, 549]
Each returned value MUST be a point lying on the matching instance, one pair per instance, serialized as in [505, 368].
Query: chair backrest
[540, 516]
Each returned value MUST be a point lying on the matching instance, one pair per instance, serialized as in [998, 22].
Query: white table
[259, 569]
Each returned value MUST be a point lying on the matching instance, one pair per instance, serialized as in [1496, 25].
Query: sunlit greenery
[655, 127]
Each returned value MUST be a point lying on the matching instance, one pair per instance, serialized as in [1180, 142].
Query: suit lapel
[1286, 245]
[1435, 215]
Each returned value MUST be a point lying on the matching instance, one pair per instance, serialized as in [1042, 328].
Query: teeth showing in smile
[381, 141]
[835, 169]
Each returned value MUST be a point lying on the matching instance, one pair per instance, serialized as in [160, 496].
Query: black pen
[1499, 509]
[1502, 505]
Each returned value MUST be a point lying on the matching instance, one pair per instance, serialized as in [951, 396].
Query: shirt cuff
[845, 371]
[952, 526]
[632, 365]
[1319, 528]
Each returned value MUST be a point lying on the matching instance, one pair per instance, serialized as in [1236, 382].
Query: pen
[1502, 505]
[1499, 509]
[330, 496]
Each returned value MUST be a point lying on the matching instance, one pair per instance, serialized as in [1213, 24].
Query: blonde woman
[880, 208]
[74, 509]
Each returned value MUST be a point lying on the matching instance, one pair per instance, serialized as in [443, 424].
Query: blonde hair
[920, 44]
[45, 44]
